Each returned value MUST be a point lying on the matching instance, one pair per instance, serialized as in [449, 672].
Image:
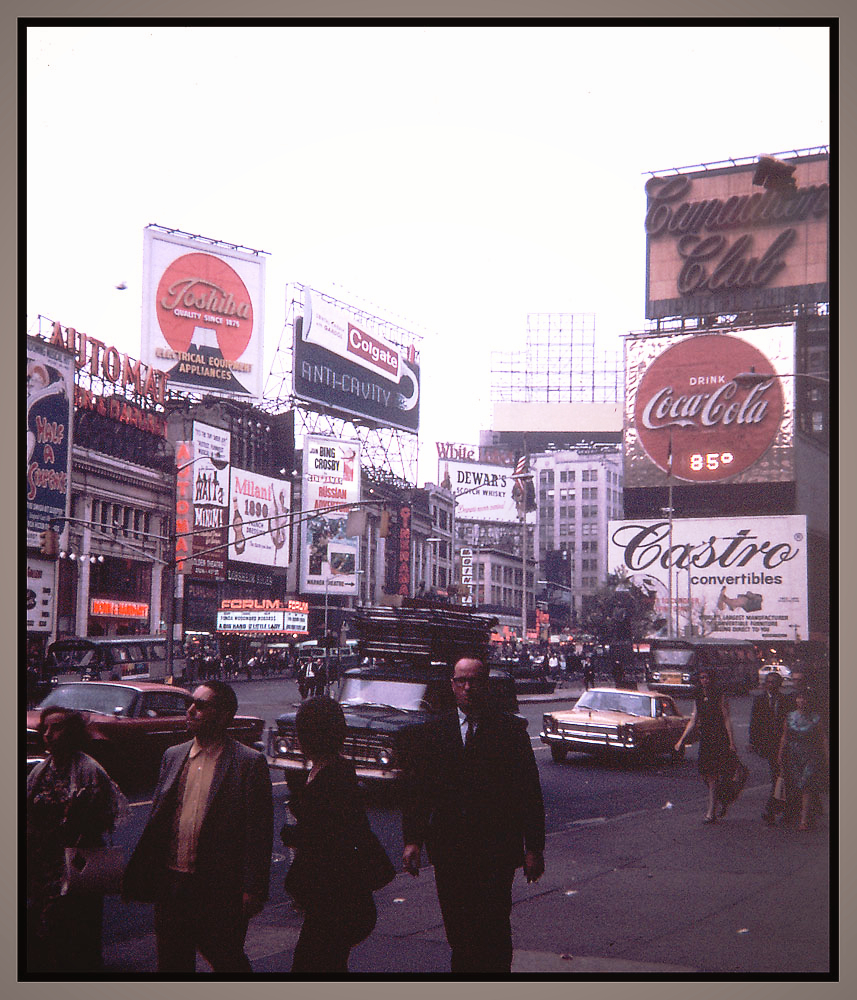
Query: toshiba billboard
[687, 418]
[344, 361]
[716, 242]
[203, 313]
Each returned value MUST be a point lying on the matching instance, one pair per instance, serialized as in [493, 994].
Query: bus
[675, 664]
[112, 657]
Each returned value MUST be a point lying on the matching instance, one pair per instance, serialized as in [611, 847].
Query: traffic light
[48, 542]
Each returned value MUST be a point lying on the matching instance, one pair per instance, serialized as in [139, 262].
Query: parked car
[614, 720]
[131, 724]
[380, 703]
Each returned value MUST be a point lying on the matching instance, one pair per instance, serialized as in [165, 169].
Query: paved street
[635, 884]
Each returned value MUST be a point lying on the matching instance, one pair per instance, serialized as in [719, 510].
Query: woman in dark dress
[326, 879]
[716, 742]
[804, 756]
[71, 802]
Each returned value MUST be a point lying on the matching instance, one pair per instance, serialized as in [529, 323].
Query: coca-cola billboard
[732, 577]
[203, 313]
[687, 418]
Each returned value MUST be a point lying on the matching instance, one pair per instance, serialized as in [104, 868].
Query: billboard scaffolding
[385, 449]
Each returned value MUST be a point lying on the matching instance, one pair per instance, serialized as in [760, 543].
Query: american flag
[524, 491]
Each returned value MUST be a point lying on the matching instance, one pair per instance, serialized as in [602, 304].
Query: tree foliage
[620, 611]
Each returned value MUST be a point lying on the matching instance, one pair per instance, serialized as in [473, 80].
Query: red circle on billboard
[688, 401]
[200, 290]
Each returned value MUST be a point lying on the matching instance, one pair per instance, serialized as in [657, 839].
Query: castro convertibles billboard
[342, 360]
[331, 481]
[484, 492]
[259, 522]
[733, 577]
[718, 243]
[687, 419]
[203, 314]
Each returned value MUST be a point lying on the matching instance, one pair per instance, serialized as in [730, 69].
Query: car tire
[558, 754]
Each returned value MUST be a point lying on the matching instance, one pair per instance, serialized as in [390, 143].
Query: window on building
[563, 476]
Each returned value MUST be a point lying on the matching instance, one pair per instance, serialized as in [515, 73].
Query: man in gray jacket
[204, 856]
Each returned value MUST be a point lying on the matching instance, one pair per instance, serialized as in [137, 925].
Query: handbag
[732, 782]
[378, 870]
[96, 870]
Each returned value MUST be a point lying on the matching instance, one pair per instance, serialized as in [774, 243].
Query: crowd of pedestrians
[203, 859]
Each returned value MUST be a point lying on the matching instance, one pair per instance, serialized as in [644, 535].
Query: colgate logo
[688, 403]
[369, 349]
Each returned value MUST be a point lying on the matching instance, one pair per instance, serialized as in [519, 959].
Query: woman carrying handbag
[338, 861]
[71, 804]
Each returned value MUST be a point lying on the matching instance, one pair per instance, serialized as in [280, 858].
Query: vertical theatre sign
[50, 398]
[210, 495]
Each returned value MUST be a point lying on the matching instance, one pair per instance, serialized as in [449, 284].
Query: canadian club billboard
[689, 419]
[203, 314]
[738, 238]
[732, 577]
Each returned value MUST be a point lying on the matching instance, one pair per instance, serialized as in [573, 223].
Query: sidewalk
[652, 893]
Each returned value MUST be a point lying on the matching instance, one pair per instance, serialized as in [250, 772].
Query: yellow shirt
[197, 784]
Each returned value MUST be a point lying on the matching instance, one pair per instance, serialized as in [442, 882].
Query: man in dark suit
[767, 716]
[204, 856]
[472, 795]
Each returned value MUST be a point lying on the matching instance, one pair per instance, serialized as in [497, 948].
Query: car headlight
[384, 757]
[626, 734]
[285, 745]
[549, 723]
[685, 678]
[656, 676]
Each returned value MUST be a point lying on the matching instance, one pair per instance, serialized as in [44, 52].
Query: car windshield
[91, 697]
[672, 657]
[71, 658]
[616, 701]
[407, 695]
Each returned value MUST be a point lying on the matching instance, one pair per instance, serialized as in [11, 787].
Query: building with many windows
[578, 492]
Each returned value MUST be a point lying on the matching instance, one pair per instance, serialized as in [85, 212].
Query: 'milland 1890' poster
[732, 577]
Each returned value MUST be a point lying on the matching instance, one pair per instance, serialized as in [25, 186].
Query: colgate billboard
[687, 417]
[203, 313]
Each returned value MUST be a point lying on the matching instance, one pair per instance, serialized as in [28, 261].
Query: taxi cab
[615, 721]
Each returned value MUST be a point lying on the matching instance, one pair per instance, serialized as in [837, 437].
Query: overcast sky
[451, 179]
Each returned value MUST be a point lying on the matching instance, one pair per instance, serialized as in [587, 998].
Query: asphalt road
[578, 792]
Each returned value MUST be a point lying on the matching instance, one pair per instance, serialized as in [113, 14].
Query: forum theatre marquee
[248, 616]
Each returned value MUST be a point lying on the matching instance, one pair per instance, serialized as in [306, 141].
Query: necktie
[471, 729]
